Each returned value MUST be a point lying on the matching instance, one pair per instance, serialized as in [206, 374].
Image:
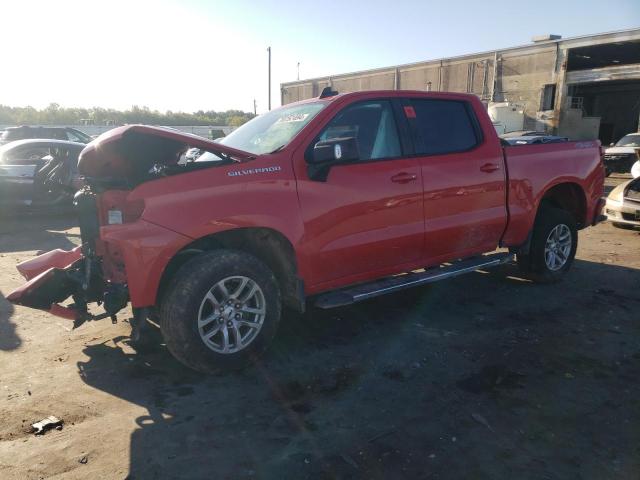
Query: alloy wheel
[231, 314]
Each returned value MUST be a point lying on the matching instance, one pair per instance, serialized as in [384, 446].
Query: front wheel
[553, 246]
[220, 311]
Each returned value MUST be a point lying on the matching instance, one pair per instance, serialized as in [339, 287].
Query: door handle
[404, 177]
[490, 167]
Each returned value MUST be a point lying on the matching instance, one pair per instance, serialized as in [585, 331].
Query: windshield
[629, 141]
[273, 130]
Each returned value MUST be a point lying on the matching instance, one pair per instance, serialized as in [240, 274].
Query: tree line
[54, 114]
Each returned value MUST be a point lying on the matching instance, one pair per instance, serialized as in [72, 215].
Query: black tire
[624, 226]
[533, 264]
[186, 291]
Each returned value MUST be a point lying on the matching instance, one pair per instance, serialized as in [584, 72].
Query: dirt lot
[483, 376]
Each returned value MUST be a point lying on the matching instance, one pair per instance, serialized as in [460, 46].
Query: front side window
[443, 126]
[372, 125]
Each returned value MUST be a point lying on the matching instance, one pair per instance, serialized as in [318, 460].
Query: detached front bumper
[51, 279]
[128, 266]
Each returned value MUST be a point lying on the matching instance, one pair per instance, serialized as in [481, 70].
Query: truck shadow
[9, 339]
[392, 388]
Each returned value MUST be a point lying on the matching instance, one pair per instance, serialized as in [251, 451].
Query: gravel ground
[482, 376]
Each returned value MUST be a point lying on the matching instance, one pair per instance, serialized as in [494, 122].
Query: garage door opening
[617, 103]
[607, 55]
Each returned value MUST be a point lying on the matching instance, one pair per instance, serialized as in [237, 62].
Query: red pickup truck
[328, 201]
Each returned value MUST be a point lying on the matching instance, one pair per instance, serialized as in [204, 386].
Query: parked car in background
[11, 134]
[534, 139]
[39, 173]
[620, 157]
[522, 133]
[623, 205]
[325, 200]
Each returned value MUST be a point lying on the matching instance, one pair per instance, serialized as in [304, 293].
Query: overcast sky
[193, 55]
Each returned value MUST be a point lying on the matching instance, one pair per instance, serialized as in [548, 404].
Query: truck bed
[533, 170]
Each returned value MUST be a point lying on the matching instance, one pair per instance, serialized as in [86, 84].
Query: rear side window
[444, 126]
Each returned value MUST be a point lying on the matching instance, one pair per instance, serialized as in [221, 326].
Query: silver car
[623, 205]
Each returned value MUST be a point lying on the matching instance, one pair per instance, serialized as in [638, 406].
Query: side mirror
[335, 150]
[612, 144]
[331, 152]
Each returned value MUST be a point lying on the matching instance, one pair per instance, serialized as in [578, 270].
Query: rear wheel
[220, 311]
[553, 246]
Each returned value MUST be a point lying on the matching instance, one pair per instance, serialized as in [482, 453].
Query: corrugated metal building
[584, 87]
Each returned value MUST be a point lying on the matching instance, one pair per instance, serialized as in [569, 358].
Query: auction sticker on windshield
[294, 117]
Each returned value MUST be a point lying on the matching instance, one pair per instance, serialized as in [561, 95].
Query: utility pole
[255, 107]
[298, 70]
[269, 50]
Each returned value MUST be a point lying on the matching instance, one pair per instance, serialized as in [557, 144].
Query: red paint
[53, 259]
[64, 312]
[409, 111]
[368, 219]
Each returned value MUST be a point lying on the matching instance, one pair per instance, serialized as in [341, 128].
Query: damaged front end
[111, 222]
[58, 275]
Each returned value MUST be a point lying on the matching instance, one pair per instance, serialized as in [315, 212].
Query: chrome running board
[365, 291]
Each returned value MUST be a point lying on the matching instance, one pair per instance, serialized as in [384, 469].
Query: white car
[623, 155]
[623, 205]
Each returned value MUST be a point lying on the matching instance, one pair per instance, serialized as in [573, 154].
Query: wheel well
[268, 245]
[569, 197]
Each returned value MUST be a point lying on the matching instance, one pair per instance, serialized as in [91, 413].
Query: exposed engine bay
[135, 157]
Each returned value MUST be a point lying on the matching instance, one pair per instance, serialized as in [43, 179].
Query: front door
[367, 216]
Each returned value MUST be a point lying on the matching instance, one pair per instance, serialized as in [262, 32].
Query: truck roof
[386, 93]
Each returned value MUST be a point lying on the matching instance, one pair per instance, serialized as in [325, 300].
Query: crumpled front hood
[131, 150]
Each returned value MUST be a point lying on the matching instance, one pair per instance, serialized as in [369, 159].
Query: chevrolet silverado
[327, 201]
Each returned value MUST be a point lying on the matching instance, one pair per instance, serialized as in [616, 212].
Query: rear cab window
[442, 126]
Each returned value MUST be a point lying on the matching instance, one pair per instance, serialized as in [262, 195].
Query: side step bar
[366, 291]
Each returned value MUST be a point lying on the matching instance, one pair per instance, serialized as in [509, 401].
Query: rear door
[16, 184]
[18, 167]
[367, 215]
[463, 178]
